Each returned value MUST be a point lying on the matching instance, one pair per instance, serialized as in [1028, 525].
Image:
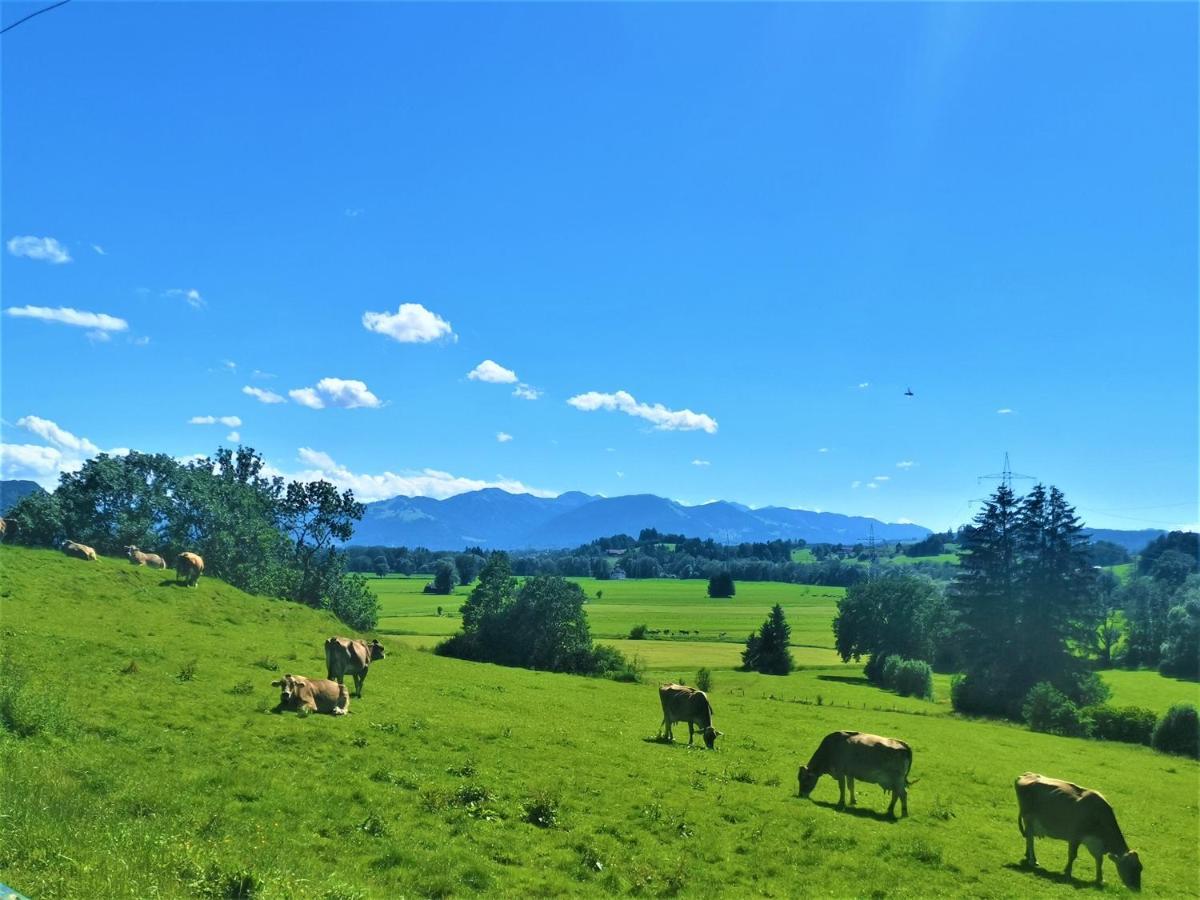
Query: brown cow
[3, 529]
[1058, 809]
[188, 568]
[83, 551]
[685, 704]
[850, 755]
[345, 656]
[315, 694]
[138, 558]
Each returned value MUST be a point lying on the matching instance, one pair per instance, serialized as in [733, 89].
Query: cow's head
[130, 550]
[376, 650]
[808, 780]
[289, 687]
[710, 737]
[1129, 867]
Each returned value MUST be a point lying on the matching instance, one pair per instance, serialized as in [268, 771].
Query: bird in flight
[909, 393]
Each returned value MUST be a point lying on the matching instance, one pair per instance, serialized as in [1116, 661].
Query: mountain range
[495, 519]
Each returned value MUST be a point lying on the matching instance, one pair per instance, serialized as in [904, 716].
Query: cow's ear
[277, 683]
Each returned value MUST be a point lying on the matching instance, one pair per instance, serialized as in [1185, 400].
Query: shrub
[1047, 709]
[1129, 724]
[914, 678]
[637, 633]
[721, 585]
[704, 680]
[874, 668]
[887, 675]
[541, 810]
[1178, 731]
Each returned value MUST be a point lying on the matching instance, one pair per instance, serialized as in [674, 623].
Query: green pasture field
[942, 559]
[1149, 689]
[139, 758]
[1123, 571]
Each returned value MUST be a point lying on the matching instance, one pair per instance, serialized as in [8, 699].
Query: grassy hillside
[170, 777]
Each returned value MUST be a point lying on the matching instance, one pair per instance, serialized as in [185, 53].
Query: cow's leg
[1072, 851]
[691, 732]
[666, 728]
[358, 683]
[903, 802]
[1030, 858]
[850, 784]
[892, 806]
[841, 791]
[1099, 866]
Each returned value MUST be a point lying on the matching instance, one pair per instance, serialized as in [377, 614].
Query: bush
[354, 603]
[721, 585]
[887, 676]
[1178, 731]
[637, 633]
[1047, 709]
[704, 680]
[913, 678]
[1129, 724]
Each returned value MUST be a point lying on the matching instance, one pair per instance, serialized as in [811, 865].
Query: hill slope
[135, 781]
[12, 491]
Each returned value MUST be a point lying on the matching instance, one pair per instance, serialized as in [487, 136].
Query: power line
[32, 14]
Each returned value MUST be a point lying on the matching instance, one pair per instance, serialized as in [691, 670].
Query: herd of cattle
[1047, 807]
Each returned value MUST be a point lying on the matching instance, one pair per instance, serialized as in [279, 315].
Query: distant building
[615, 552]
[617, 575]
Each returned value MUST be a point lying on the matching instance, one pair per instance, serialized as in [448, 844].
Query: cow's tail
[907, 782]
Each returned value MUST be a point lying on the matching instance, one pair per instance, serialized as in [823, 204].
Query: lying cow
[83, 551]
[1058, 809]
[851, 755]
[685, 704]
[188, 568]
[346, 656]
[314, 694]
[138, 558]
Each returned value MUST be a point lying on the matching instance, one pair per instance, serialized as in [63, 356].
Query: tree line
[258, 532]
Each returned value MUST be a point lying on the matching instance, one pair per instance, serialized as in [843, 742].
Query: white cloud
[905, 464]
[62, 452]
[99, 249]
[230, 421]
[259, 373]
[701, 462]
[872, 484]
[903, 521]
[526, 392]
[492, 372]
[344, 393]
[503, 437]
[99, 337]
[59, 437]
[140, 341]
[855, 484]
[883, 477]
[46, 249]
[229, 364]
[191, 295]
[664, 419]
[412, 323]
[864, 384]
[620, 474]
[823, 450]
[233, 436]
[418, 483]
[1004, 412]
[65, 315]
[262, 396]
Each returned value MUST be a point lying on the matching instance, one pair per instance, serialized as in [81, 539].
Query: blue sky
[760, 223]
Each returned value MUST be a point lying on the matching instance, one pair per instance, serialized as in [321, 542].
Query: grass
[451, 778]
[1150, 690]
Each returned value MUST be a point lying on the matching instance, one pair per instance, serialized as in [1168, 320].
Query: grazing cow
[1058, 809]
[850, 755]
[685, 704]
[138, 558]
[345, 656]
[3, 529]
[315, 694]
[83, 551]
[188, 568]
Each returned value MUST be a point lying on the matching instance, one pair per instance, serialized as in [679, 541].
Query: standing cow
[82, 551]
[850, 755]
[138, 558]
[685, 704]
[1058, 809]
[346, 656]
[188, 568]
[314, 694]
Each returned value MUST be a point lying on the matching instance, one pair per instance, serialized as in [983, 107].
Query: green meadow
[139, 758]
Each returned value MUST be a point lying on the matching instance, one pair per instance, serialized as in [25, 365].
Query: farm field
[147, 764]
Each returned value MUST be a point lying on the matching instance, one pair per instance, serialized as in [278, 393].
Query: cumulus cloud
[345, 393]
[412, 323]
[233, 436]
[142, 341]
[410, 483]
[46, 249]
[664, 419]
[526, 392]
[872, 484]
[905, 464]
[43, 463]
[262, 396]
[191, 295]
[823, 450]
[65, 315]
[1004, 412]
[864, 384]
[701, 462]
[883, 478]
[230, 421]
[503, 437]
[492, 372]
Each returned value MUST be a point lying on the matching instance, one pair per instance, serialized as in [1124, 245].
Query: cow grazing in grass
[685, 704]
[346, 656]
[188, 568]
[138, 558]
[851, 755]
[83, 551]
[1058, 809]
[314, 694]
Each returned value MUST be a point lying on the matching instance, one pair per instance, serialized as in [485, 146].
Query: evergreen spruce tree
[767, 651]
